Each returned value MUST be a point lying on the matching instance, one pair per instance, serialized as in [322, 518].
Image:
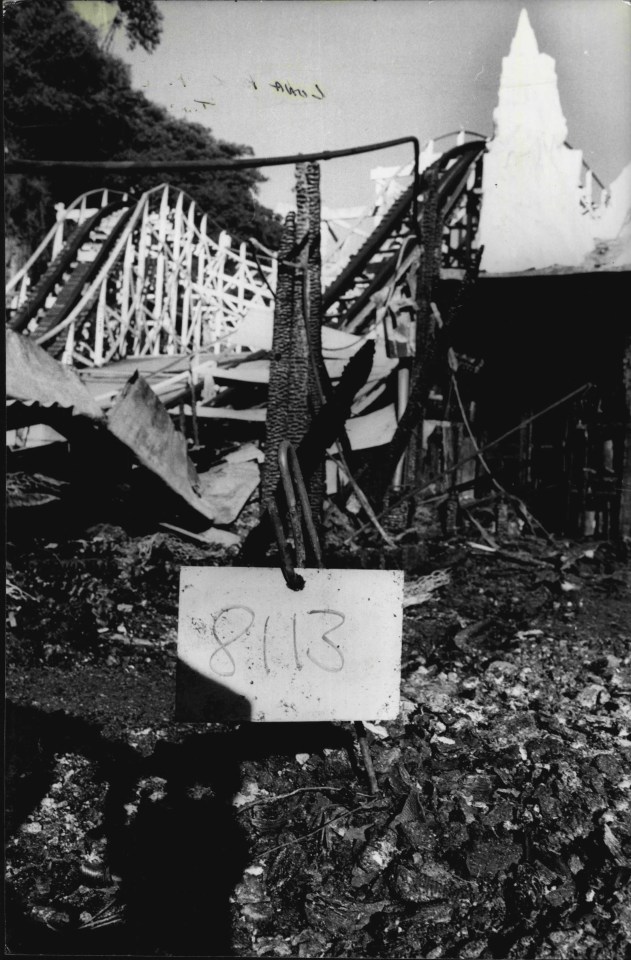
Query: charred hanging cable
[200, 166]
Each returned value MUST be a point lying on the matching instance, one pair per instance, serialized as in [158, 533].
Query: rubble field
[502, 826]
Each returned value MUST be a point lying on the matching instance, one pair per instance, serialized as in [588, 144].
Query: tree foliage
[142, 21]
[67, 99]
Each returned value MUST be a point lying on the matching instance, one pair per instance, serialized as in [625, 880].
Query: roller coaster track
[369, 270]
[69, 276]
[57, 269]
[148, 276]
[139, 277]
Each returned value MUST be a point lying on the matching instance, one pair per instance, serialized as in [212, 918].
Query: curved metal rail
[72, 292]
[58, 267]
[452, 182]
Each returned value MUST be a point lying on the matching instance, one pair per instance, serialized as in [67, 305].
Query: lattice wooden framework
[120, 275]
[159, 283]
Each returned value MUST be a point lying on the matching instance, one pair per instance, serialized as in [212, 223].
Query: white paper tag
[249, 648]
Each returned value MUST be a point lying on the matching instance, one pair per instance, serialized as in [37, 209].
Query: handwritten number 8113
[226, 632]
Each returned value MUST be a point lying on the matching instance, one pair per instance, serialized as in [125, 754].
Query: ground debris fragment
[501, 828]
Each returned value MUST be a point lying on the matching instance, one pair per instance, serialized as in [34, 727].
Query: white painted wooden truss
[80, 210]
[167, 287]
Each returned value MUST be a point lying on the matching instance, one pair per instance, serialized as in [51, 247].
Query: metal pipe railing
[238, 163]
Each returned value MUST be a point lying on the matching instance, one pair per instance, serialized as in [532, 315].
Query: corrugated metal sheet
[33, 376]
[140, 421]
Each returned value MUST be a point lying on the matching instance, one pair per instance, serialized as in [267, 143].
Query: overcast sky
[383, 69]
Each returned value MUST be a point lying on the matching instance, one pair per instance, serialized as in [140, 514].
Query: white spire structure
[531, 216]
[616, 213]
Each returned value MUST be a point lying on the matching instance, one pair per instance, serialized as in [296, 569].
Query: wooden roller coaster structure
[135, 277]
[120, 276]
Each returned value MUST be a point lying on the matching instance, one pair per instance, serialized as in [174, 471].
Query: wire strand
[417, 488]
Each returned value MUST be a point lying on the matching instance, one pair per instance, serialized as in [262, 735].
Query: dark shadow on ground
[180, 858]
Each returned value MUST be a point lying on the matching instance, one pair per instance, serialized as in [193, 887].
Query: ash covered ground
[503, 823]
